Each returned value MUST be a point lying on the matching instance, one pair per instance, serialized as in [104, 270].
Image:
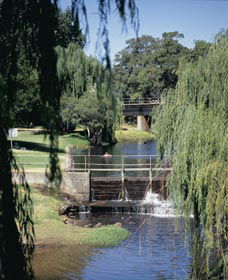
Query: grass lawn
[130, 133]
[50, 228]
[33, 152]
[36, 141]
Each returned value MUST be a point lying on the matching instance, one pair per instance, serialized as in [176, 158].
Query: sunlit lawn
[33, 149]
[130, 133]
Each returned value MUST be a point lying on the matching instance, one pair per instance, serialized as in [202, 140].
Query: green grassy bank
[33, 148]
[50, 228]
[36, 141]
[130, 133]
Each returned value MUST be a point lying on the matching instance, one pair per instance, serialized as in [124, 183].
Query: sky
[196, 19]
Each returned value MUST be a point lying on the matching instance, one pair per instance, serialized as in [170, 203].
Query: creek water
[158, 248]
[135, 153]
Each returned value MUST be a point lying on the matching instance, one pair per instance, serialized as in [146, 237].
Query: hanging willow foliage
[192, 127]
[32, 24]
[80, 74]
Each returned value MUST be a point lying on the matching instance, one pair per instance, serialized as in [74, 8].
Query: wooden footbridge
[121, 176]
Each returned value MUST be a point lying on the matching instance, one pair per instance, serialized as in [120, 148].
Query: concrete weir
[85, 188]
[76, 184]
[110, 188]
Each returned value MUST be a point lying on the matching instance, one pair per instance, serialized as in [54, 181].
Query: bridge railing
[114, 163]
[140, 101]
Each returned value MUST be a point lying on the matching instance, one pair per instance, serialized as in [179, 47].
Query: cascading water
[161, 207]
[92, 195]
[83, 211]
[126, 196]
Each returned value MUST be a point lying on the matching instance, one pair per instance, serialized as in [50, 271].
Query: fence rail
[114, 163]
[98, 163]
[140, 101]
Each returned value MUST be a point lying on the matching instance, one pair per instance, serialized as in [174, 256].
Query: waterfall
[161, 207]
[126, 196]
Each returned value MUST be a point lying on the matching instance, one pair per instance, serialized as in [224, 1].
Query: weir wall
[110, 188]
[83, 188]
[76, 184]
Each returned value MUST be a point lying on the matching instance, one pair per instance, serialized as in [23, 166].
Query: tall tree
[86, 99]
[146, 67]
[192, 127]
[34, 23]
[168, 57]
[200, 49]
[68, 29]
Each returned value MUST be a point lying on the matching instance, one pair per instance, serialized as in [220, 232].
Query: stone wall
[76, 184]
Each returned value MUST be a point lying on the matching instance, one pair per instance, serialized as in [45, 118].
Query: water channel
[158, 249]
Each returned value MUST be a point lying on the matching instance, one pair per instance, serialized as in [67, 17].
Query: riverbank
[51, 229]
[31, 147]
[36, 140]
[130, 133]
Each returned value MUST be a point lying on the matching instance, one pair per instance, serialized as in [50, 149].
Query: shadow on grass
[79, 135]
[35, 146]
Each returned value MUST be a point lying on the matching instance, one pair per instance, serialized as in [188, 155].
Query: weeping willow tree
[192, 128]
[32, 24]
[86, 93]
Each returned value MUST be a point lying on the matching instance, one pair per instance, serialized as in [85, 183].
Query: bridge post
[142, 124]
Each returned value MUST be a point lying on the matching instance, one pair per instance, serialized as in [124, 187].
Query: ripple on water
[155, 251]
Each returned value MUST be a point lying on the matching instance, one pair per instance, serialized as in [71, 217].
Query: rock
[98, 225]
[118, 225]
[63, 208]
[67, 207]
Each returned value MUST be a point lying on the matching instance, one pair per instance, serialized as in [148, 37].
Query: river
[158, 249]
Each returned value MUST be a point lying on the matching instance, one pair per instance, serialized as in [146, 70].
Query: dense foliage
[192, 127]
[87, 98]
[32, 24]
[146, 67]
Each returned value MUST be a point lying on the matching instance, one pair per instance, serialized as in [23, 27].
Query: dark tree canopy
[68, 29]
[200, 49]
[147, 66]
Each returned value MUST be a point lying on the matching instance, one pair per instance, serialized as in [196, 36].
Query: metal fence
[114, 163]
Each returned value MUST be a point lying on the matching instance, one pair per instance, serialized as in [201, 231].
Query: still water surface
[135, 154]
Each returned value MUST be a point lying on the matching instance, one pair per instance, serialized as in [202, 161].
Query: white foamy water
[161, 207]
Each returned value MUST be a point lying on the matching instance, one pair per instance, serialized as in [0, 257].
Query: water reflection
[140, 150]
[55, 263]
[156, 250]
